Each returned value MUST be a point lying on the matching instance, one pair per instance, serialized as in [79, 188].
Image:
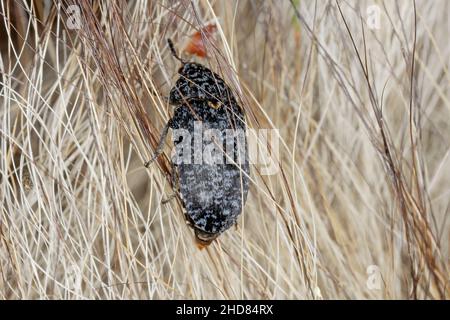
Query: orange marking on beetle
[215, 105]
[196, 46]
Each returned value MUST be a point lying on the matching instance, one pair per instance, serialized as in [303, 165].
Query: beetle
[214, 189]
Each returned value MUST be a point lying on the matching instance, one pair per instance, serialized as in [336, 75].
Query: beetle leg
[188, 220]
[155, 93]
[160, 146]
[173, 180]
[169, 198]
[189, 223]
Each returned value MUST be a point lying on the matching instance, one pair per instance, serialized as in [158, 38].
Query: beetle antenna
[174, 52]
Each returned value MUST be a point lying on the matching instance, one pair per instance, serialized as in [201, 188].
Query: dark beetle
[213, 177]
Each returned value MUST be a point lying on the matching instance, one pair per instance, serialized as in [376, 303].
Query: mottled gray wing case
[212, 195]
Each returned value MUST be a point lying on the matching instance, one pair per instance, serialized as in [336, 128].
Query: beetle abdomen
[212, 195]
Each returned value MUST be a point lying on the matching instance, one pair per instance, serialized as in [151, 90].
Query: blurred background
[357, 97]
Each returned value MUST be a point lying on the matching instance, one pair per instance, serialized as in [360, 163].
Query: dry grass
[364, 141]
